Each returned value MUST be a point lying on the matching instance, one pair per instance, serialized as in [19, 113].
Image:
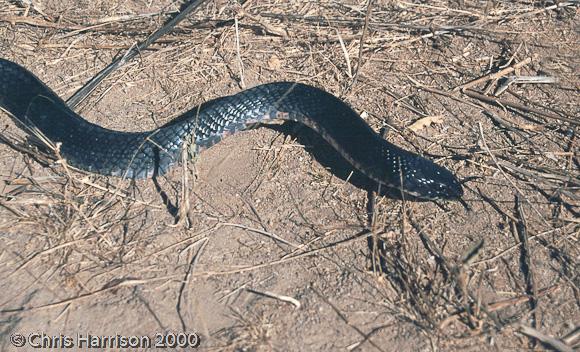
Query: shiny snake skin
[89, 147]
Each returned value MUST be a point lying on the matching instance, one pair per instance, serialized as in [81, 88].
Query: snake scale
[95, 149]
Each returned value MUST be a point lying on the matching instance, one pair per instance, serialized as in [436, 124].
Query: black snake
[99, 150]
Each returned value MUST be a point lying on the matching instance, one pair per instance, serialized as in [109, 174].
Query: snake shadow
[322, 152]
[331, 159]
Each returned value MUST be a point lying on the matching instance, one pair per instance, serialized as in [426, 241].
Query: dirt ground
[268, 244]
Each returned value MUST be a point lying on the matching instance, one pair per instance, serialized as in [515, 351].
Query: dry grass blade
[519, 106]
[293, 220]
[548, 340]
[261, 232]
[573, 337]
[82, 93]
[494, 76]
[114, 286]
[293, 301]
[342, 317]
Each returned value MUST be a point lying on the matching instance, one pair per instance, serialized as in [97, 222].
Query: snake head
[423, 179]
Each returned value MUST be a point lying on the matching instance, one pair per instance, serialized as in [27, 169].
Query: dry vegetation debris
[487, 88]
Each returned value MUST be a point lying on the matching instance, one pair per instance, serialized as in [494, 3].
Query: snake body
[90, 147]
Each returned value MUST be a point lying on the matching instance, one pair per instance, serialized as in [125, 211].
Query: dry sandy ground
[269, 210]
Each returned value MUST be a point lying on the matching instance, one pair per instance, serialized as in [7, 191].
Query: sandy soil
[270, 211]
